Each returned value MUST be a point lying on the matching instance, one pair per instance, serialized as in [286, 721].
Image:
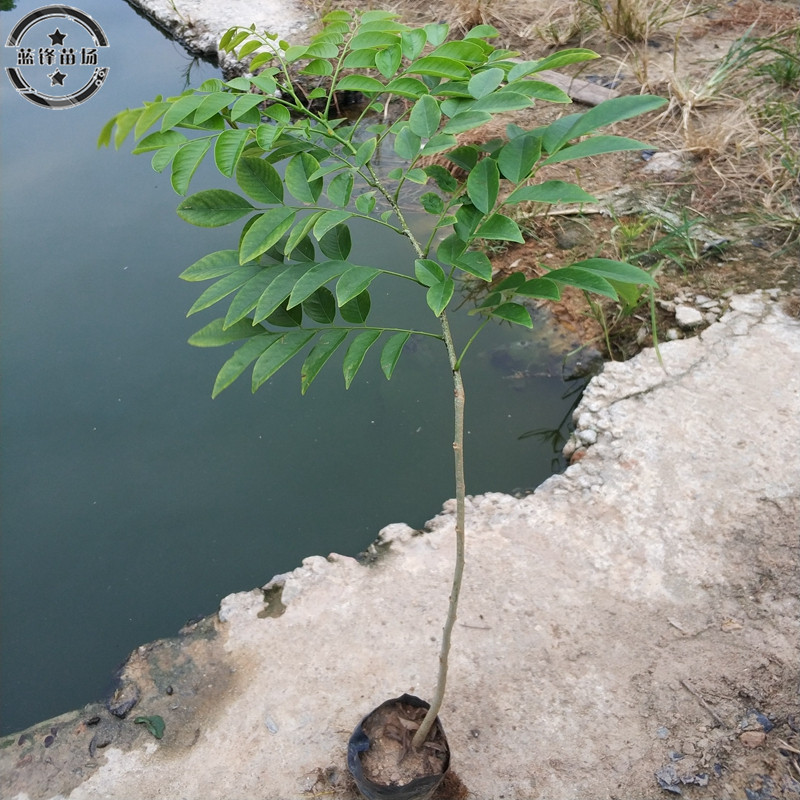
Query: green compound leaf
[154, 724]
[597, 145]
[486, 82]
[212, 208]
[390, 354]
[516, 159]
[282, 350]
[223, 287]
[326, 346]
[357, 310]
[439, 68]
[354, 356]
[317, 276]
[583, 279]
[618, 271]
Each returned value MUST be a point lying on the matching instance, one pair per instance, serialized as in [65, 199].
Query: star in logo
[57, 77]
[57, 37]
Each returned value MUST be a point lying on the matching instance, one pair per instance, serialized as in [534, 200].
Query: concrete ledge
[638, 606]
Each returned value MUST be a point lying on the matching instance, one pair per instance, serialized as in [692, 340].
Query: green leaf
[281, 351]
[284, 278]
[365, 203]
[328, 220]
[283, 317]
[388, 61]
[186, 162]
[360, 83]
[483, 83]
[298, 170]
[551, 192]
[157, 140]
[356, 311]
[482, 31]
[513, 312]
[319, 66]
[213, 265]
[466, 121]
[212, 208]
[540, 90]
[222, 288]
[517, 158]
[583, 279]
[443, 179]
[353, 282]
[428, 272]
[502, 101]
[438, 143]
[500, 227]
[390, 354]
[372, 40]
[597, 145]
[242, 358]
[322, 49]
[354, 356]
[244, 104]
[407, 144]
[417, 176]
[340, 189]
[154, 725]
[360, 59]
[436, 33]
[554, 61]
[483, 185]
[365, 151]
[215, 334]
[542, 288]
[613, 110]
[432, 203]
[228, 148]
[260, 180]
[317, 276]
[425, 117]
[439, 295]
[185, 105]
[300, 231]
[439, 67]
[407, 87]
[475, 263]
[321, 306]
[326, 346]
[247, 297]
[265, 232]
[336, 243]
[413, 42]
[152, 113]
[618, 271]
[211, 105]
[464, 51]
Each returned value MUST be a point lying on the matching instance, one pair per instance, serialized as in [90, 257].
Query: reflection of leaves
[7, 5]
[155, 725]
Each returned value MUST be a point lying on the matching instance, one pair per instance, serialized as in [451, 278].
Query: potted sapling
[298, 171]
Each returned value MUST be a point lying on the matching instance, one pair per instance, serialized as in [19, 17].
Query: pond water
[131, 501]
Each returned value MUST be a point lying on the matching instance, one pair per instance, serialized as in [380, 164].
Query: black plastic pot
[417, 789]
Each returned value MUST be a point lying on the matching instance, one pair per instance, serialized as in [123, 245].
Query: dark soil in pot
[382, 761]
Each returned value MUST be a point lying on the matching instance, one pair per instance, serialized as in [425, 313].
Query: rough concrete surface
[631, 626]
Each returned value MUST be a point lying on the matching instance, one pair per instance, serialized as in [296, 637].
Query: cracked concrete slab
[637, 606]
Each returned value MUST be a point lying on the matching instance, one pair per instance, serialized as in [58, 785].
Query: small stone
[588, 436]
[710, 317]
[701, 299]
[688, 317]
[753, 738]
[673, 334]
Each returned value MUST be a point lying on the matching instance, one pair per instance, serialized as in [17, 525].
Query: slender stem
[458, 452]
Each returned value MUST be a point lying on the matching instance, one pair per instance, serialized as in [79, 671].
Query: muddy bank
[630, 627]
